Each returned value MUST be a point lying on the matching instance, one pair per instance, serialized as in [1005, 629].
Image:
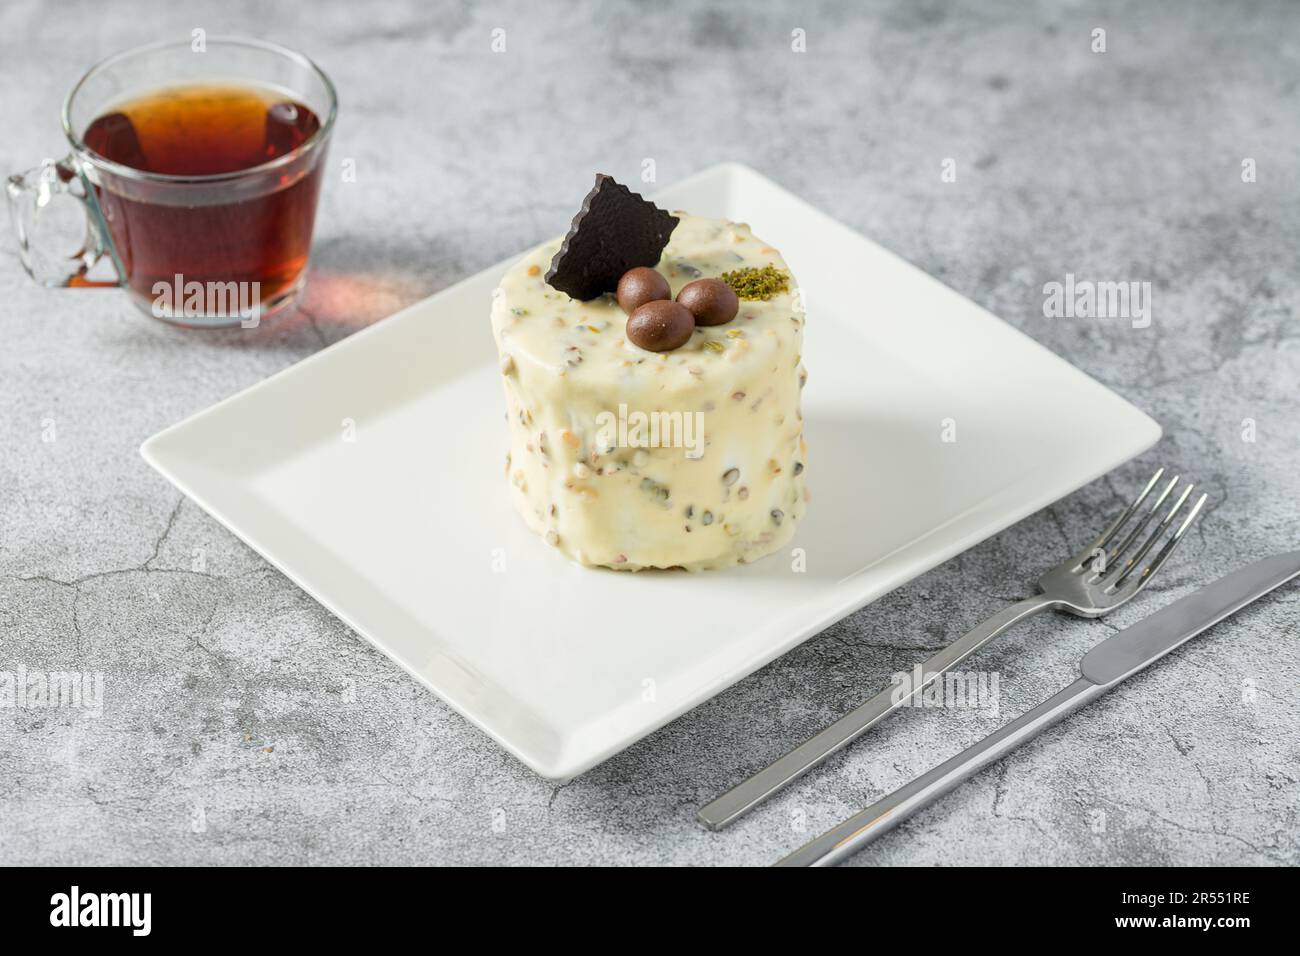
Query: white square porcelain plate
[407, 532]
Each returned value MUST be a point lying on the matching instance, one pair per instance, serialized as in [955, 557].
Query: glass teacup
[198, 166]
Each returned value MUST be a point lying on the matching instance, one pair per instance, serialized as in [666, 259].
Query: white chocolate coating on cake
[568, 366]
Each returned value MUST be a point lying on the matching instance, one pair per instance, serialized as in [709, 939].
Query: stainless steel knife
[1111, 661]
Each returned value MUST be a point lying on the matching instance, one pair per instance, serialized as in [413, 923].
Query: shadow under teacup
[198, 165]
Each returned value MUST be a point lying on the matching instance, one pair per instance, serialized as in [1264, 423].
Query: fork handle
[748, 794]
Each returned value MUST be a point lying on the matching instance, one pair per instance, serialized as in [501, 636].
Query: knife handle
[841, 841]
[747, 794]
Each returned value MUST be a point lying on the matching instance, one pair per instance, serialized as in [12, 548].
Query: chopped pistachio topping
[754, 283]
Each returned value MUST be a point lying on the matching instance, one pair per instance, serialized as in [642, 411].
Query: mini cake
[670, 438]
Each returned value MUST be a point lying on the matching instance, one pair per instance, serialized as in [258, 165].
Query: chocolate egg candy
[711, 301]
[660, 326]
[641, 285]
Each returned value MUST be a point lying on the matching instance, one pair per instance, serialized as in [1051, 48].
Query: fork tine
[1136, 560]
[1114, 527]
[1172, 543]
[1112, 559]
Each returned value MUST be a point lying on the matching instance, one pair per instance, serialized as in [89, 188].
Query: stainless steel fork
[1097, 580]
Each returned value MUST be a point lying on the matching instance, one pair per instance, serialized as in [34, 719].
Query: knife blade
[1106, 665]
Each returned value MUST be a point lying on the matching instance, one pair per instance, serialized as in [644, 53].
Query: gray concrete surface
[243, 724]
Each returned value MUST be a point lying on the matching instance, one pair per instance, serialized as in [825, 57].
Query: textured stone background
[230, 732]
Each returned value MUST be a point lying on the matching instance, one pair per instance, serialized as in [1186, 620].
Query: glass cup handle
[30, 194]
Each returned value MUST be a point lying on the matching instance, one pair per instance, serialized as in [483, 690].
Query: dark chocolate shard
[615, 230]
